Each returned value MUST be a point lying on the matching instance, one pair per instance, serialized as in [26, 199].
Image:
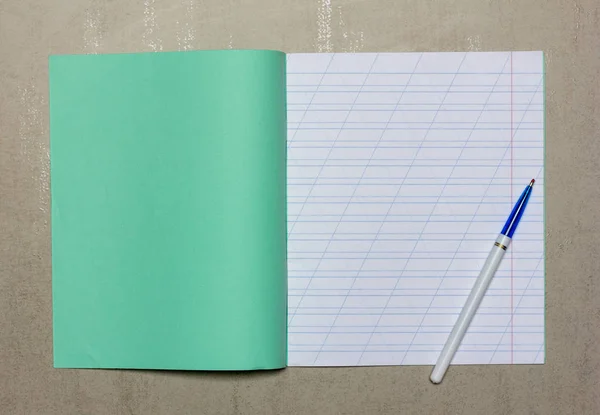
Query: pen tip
[532, 182]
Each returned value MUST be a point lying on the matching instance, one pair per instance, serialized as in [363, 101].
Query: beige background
[567, 31]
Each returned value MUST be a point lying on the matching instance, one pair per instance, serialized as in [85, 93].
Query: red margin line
[512, 310]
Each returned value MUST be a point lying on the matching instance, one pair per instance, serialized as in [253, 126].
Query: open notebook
[187, 234]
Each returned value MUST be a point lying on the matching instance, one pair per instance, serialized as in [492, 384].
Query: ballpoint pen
[481, 285]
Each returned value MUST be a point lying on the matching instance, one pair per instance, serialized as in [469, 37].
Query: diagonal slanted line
[513, 311]
[382, 222]
[429, 218]
[310, 191]
[334, 142]
[468, 228]
[316, 91]
[540, 351]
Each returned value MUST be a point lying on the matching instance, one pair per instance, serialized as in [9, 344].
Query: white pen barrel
[464, 319]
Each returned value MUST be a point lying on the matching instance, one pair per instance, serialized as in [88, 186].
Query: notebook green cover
[168, 181]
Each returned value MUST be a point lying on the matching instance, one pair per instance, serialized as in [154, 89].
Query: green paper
[168, 210]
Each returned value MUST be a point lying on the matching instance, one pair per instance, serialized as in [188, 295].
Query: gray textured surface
[567, 31]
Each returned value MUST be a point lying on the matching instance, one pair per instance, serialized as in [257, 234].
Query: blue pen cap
[515, 216]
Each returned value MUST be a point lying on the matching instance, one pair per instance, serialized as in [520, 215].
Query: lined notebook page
[402, 168]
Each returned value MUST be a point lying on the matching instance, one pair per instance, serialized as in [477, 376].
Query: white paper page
[402, 169]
